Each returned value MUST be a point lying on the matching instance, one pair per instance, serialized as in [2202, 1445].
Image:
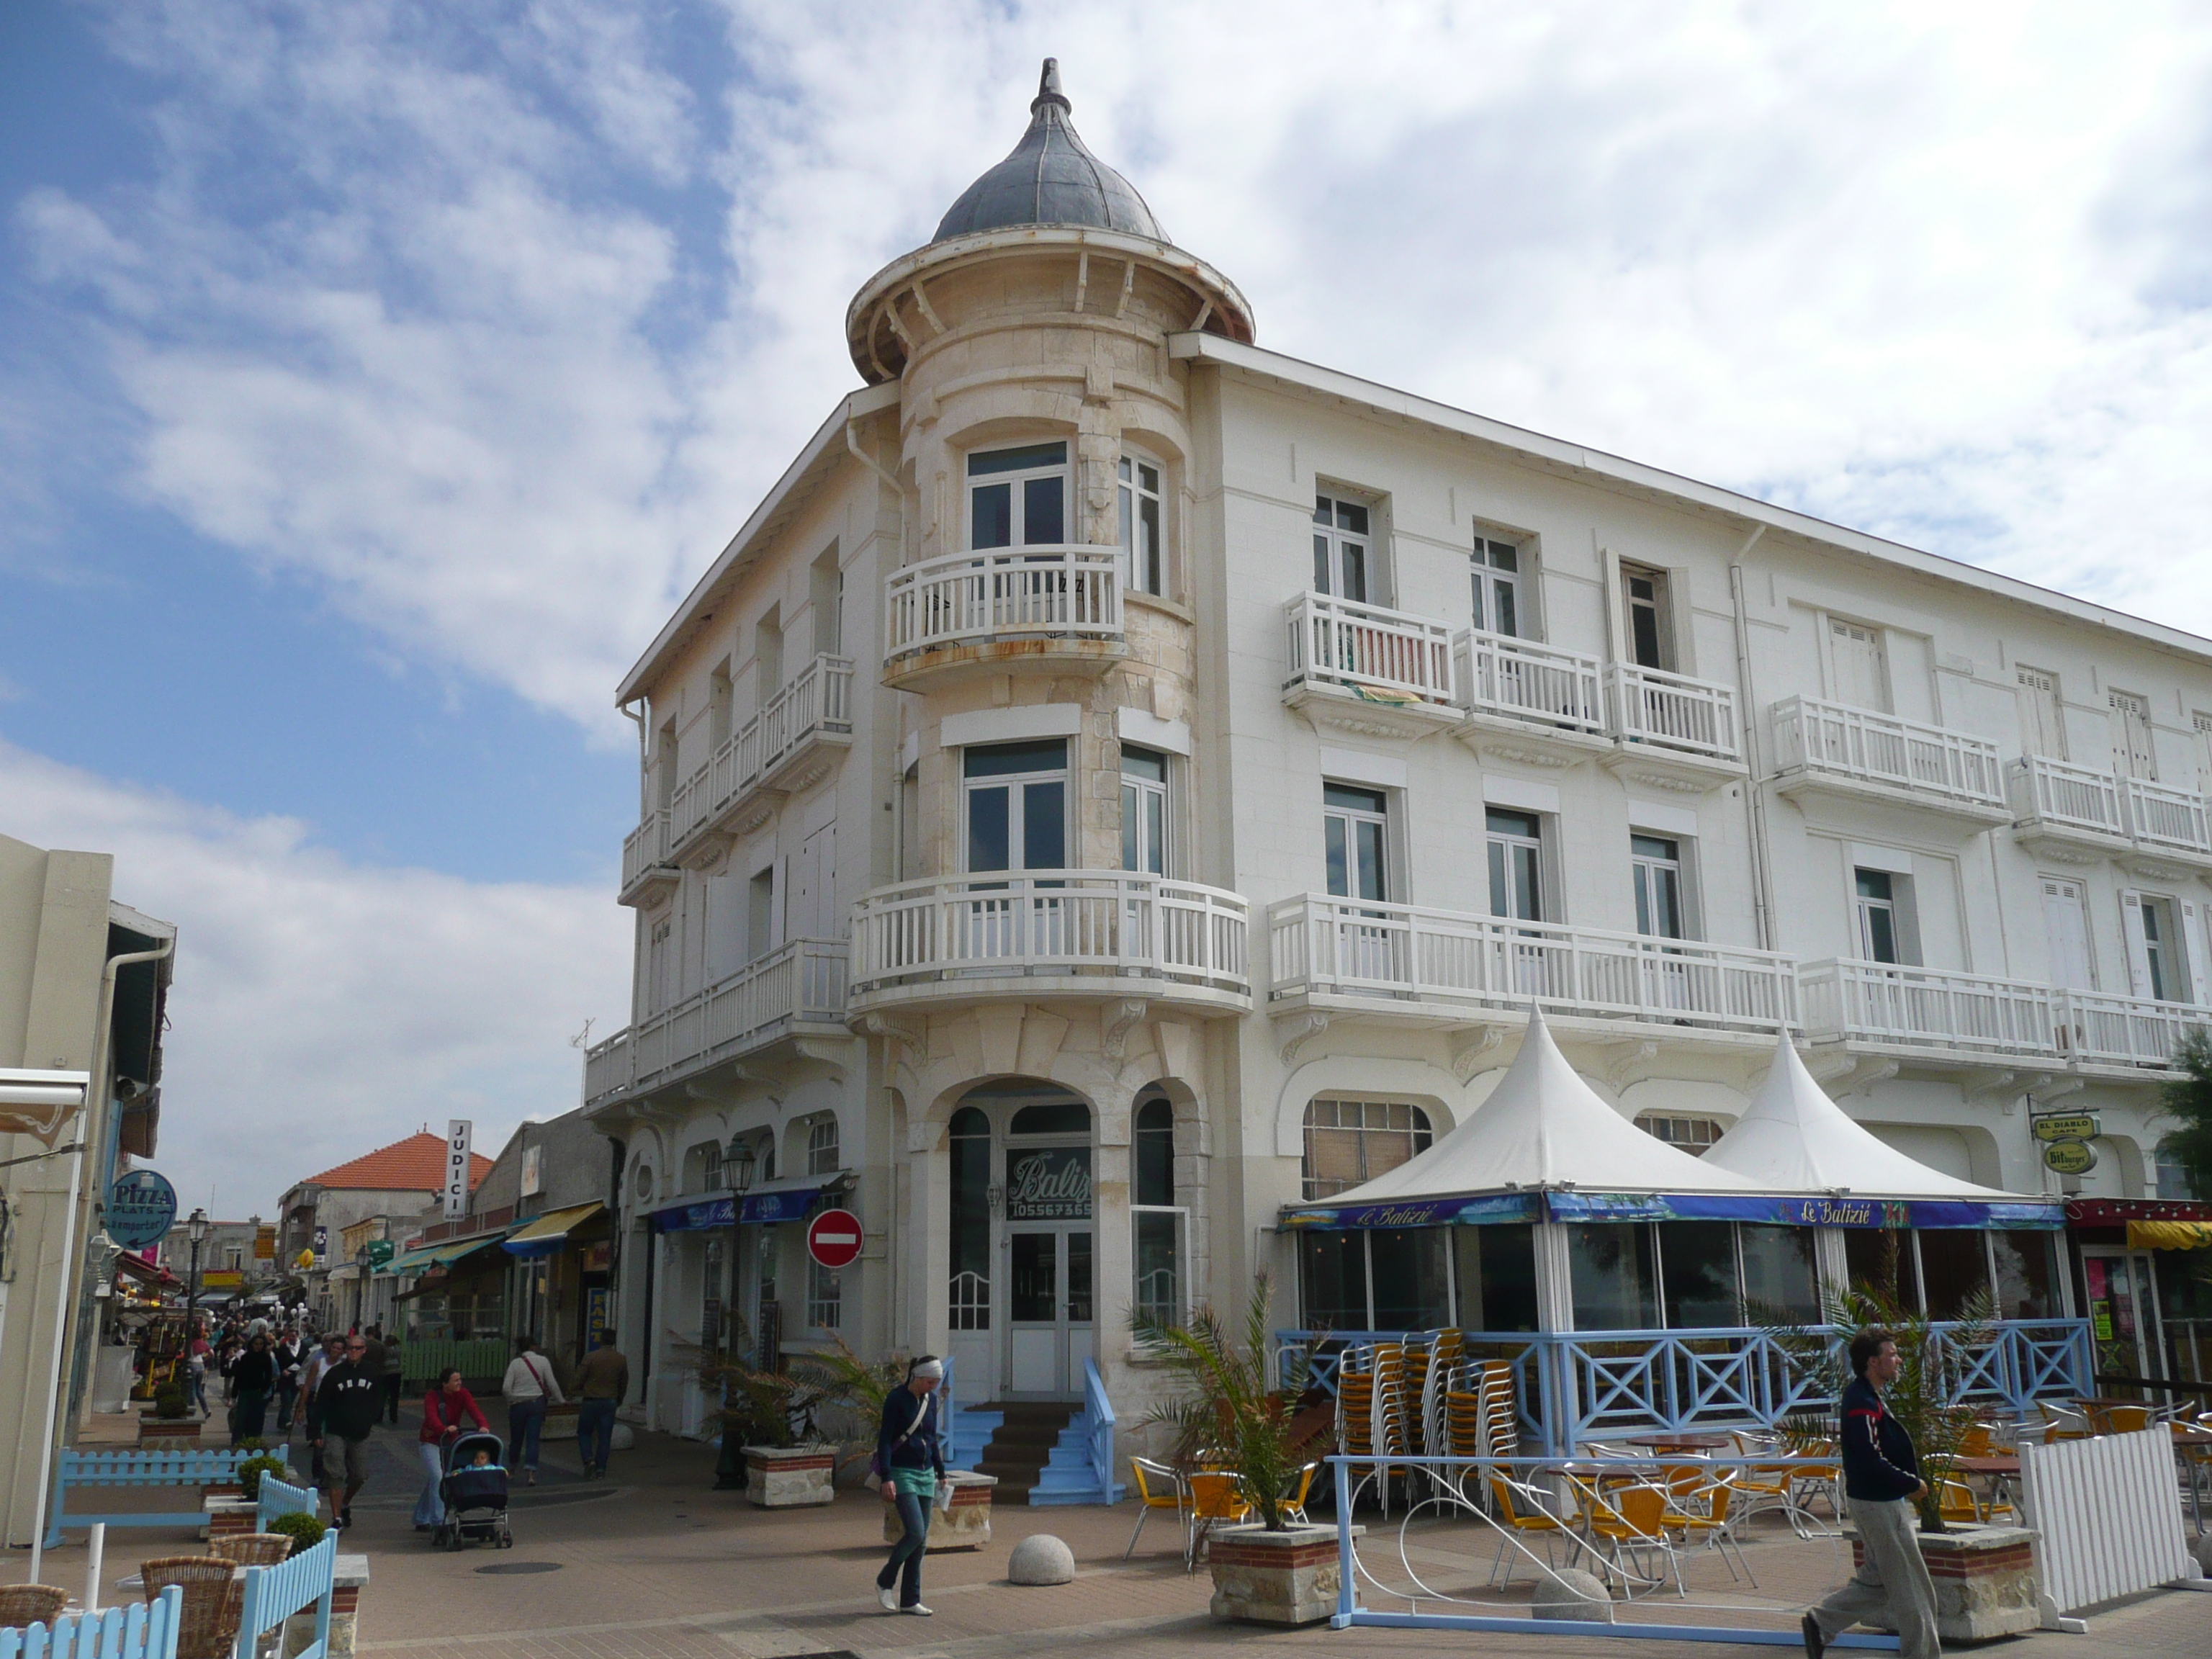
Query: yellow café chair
[1159, 1487]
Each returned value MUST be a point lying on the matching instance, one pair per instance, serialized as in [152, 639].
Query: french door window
[1017, 806]
[1647, 618]
[1516, 858]
[1144, 810]
[1341, 544]
[1355, 826]
[1657, 866]
[1140, 494]
[1877, 910]
[1017, 497]
[1497, 577]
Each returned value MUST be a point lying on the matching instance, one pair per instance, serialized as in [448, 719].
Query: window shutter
[2138, 956]
[2192, 944]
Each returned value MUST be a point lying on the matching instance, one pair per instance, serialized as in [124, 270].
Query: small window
[2158, 966]
[1144, 810]
[1352, 1141]
[1496, 578]
[1017, 497]
[1516, 861]
[1886, 928]
[1694, 1135]
[1059, 1117]
[1649, 641]
[1342, 544]
[1354, 833]
[1144, 566]
[822, 1150]
[1656, 867]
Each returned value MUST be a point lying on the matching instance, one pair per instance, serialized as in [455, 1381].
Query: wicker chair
[207, 1626]
[22, 1605]
[248, 1549]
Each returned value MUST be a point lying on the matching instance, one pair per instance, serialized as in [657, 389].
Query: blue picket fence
[277, 1497]
[141, 1631]
[196, 1467]
[272, 1594]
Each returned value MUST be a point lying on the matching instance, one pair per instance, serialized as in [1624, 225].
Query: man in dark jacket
[348, 1402]
[1881, 1477]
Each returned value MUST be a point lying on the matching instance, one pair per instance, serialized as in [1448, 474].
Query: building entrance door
[2123, 1315]
[1048, 1311]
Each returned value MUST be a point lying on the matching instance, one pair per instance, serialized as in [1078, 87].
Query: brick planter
[1985, 1582]
[790, 1477]
[1287, 1577]
[230, 1516]
[966, 1525]
[167, 1433]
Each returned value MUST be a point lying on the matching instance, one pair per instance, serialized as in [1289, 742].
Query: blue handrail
[1101, 1411]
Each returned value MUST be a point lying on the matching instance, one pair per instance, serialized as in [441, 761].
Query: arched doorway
[1022, 1299]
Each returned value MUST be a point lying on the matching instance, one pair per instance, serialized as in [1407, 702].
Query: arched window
[1159, 1250]
[1155, 1169]
[970, 1302]
[1352, 1141]
[822, 1152]
[1059, 1117]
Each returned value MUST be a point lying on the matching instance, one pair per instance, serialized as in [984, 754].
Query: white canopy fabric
[1544, 1126]
[1793, 1139]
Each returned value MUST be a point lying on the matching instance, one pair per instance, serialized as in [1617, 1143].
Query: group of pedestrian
[531, 1387]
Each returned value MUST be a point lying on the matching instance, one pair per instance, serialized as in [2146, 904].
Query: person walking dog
[909, 1462]
[1881, 1477]
[530, 1387]
[602, 1384]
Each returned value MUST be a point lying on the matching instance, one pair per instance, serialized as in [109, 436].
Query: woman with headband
[909, 1462]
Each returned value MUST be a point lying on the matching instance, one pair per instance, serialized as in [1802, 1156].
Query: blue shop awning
[696, 1215]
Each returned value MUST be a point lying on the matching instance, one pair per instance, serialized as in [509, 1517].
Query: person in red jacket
[447, 1410]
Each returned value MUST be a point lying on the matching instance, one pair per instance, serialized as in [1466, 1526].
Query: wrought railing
[1051, 922]
[1927, 1007]
[817, 701]
[1389, 655]
[973, 598]
[1322, 945]
[1672, 711]
[2064, 796]
[801, 982]
[1875, 748]
[644, 846]
[2160, 815]
[1574, 1387]
[1523, 680]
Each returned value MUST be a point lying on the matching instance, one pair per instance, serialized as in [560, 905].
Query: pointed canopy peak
[1050, 178]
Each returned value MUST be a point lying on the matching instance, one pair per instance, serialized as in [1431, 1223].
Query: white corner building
[1122, 782]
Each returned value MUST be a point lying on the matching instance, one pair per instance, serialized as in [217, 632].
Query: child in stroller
[475, 1492]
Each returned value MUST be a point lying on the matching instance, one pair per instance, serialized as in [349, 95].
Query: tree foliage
[2188, 1100]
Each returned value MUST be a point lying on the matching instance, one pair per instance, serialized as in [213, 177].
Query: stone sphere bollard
[2201, 1549]
[624, 1438]
[1570, 1593]
[1042, 1559]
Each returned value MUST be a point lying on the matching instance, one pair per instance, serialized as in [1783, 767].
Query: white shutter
[2197, 973]
[2138, 955]
[726, 927]
[2069, 933]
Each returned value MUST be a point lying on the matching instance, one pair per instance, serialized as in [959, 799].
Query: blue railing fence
[195, 1468]
[140, 1631]
[273, 1595]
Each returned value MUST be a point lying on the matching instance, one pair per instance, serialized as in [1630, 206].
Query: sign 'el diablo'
[1050, 1184]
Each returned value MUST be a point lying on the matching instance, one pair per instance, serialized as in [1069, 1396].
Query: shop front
[2144, 1279]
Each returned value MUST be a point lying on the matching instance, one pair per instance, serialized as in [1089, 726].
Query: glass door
[2122, 1315]
[1049, 1316]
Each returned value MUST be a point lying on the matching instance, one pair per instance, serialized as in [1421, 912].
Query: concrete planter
[1287, 1577]
[964, 1526]
[1985, 1582]
[790, 1477]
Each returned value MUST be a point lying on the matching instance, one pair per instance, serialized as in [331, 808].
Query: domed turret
[1050, 178]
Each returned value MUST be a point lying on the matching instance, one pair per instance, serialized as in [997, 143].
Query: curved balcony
[1031, 610]
[1051, 935]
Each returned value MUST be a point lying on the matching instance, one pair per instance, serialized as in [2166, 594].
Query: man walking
[316, 1364]
[348, 1400]
[393, 1369]
[1881, 1477]
[602, 1384]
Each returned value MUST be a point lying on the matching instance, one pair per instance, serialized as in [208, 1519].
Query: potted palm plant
[1275, 1568]
[769, 1417]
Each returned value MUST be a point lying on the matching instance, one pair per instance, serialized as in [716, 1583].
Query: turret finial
[1048, 90]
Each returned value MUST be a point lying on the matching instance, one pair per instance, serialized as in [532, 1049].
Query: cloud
[322, 1008]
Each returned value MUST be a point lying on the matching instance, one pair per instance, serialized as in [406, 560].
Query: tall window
[1352, 1141]
[2132, 754]
[1341, 548]
[2042, 727]
[1516, 858]
[1859, 666]
[1883, 903]
[1017, 806]
[1655, 866]
[1144, 810]
[710, 1167]
[823, 1156]
[1354, 832]
[1017, 497]
[1158, 1221]
[1145, 563]
[1646, 592]
[2066, 921]
[760, 913]
[825, 1296]
[1497, 577]
[2155, 945]
[969, 1296]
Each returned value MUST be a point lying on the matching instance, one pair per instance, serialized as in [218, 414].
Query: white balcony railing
[815, 701]
[1929, 1008]
[973, 598]
[800, 983]
[644, 846]
[1523, 680]
[1366, 650]
[1875, 748]
[2053, 792]
[1057, 922]
[2126, 1031]
[1449, 960]
[1672, 711]
[2159, 815]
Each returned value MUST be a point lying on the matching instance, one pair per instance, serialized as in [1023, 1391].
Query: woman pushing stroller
[909, 1465]
[447, 1410]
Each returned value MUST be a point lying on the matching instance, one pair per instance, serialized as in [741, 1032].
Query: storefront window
[1413, 1286]
[1697, 1263]
[1780, 1274]
[1881, 1259]
[1610, 1267]
[970, 1290]
[1333, 1281]
[1496, 1270]
[1954, 1267]
[2027, 1274]
[825, 1296]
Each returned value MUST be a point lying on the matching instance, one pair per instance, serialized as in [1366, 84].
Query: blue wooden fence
[195, 1468]
[275, 1594]
[141, 1631]
[277, 1497]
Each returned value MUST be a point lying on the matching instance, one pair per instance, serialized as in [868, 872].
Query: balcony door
[1858, 667]
[1017, 497]
[2066, 920]
[1015, 804]
[1341, 549]
[2132, 756]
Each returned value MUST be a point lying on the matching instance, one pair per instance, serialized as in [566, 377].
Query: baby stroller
[475, 1497]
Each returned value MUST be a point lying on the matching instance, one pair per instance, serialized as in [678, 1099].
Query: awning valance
[2169, 1235]
[548, 1233]
[427, 1256]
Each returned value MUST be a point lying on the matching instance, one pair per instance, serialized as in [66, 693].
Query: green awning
[422, 1260]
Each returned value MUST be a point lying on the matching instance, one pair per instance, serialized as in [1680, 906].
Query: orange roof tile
[417, 1165]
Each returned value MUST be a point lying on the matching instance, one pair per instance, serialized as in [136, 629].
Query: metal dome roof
[1050, 179]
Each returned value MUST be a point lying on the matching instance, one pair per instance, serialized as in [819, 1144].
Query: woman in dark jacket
[252, 1378]
[909, 1462]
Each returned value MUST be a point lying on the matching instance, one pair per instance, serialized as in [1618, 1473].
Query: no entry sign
[833, 1239]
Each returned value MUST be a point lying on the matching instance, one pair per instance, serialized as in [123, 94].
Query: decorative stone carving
[1294, 1032]
[1472, 1052]
[1117, 1021]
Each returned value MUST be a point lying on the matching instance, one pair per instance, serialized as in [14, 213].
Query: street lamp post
[196, 1229]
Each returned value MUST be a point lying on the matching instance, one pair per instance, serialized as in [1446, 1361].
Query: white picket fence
[2107, 1518]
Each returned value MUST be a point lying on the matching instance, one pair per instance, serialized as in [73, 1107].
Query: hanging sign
[304, 1260]
[380, 1251]
[833, 1239]
[264, 1243]
[2071, 1158]
[2065, 1126]
[141, 1207]
[1051, 1184]
[458, 1133]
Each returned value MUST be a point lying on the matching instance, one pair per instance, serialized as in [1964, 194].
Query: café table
[1680, 1442]
[1998, 1470]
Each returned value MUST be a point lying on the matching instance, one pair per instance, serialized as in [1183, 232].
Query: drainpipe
[636, 717]
[96, 1079]
[1754, 794]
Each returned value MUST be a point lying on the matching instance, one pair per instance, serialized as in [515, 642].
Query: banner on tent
[1579, 1206]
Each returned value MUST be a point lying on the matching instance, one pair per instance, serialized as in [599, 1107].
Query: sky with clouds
[375, 376]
